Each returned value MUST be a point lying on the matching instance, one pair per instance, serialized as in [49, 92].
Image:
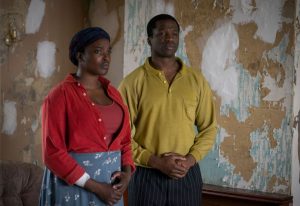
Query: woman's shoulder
[58, 90]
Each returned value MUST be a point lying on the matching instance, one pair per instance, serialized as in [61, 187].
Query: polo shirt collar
[152, 70]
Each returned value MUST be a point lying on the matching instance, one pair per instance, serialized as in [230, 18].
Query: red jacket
[72, 123]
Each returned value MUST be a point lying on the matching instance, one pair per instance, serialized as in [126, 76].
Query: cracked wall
[30, 67]
[245, 49]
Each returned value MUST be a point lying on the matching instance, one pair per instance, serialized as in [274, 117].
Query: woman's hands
[111, 193]
[104, 191]
[121, 179]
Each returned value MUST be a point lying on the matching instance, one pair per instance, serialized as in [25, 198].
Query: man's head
[163, 35]
[152, 23]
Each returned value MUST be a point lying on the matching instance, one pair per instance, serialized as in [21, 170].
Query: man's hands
[111, 193]
[172, 164]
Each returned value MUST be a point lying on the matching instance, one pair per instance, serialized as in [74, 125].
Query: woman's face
[96, 57]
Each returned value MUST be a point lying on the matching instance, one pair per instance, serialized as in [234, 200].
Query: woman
[86, 132]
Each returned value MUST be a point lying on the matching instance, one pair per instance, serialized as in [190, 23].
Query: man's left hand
[187, 163]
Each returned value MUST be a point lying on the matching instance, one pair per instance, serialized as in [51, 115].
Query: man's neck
[164, 64]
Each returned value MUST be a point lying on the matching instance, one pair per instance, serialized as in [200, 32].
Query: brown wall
[110, 16]
[18, 63]
[18, 66]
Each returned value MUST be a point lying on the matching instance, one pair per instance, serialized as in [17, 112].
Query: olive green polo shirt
[163, 116]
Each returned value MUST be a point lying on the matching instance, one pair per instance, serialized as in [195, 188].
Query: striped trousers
[150, 187]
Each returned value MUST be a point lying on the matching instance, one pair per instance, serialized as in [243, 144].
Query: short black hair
[152, 23]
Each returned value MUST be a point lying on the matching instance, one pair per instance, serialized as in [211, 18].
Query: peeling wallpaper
[296, 112]
[245, 50]
[105, 14]
[30, 68]
[266, 15]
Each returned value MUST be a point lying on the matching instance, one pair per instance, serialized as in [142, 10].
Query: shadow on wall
[298, 122]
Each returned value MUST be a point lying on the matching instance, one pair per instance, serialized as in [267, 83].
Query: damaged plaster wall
[296, 112]
[30, 67]
[245, 50]
[105, 14]
[247, 43]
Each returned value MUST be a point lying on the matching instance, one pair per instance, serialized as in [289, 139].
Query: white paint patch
[164, 7]
[218, 62]
[181, 51]
[266, 14]
[278, 54]
[242, 183]
[46, 58]
[34, 125]
[10, 117]
[36, 12]
[278, 188]
[28, 81]
[23, 121]
[223, 135]
[276, 93]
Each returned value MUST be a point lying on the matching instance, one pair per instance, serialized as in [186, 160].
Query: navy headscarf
[84, 38]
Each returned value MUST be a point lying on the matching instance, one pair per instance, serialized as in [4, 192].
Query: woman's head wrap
[84, 38]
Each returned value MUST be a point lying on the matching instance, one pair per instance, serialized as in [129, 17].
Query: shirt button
[84, 94]
[170, 90]
[104, 137]
[99, 120]
[78, 84]
[165, 82]
[93, 103]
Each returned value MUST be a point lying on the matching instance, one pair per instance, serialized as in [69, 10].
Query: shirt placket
[163, 79]
[100, 124]
[165, 82]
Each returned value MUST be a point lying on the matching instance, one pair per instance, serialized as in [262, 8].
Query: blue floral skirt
[100, 166]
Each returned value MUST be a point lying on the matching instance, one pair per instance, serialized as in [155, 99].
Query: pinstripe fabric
[149, 187]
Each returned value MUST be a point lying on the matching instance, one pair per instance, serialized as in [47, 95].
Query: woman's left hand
[121, 179]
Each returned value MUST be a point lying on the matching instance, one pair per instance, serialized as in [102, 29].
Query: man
[165, 100]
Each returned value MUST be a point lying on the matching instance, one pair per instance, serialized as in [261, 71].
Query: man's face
[164, 42]
[96, 57]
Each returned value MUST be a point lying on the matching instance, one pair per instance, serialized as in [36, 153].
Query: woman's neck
[87, 80]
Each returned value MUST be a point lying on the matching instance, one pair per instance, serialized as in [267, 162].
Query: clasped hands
[173, 164]
[110, 193]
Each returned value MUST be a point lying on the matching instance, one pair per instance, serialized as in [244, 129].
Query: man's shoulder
[135, 75]
[195, 72]
[189, 70]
